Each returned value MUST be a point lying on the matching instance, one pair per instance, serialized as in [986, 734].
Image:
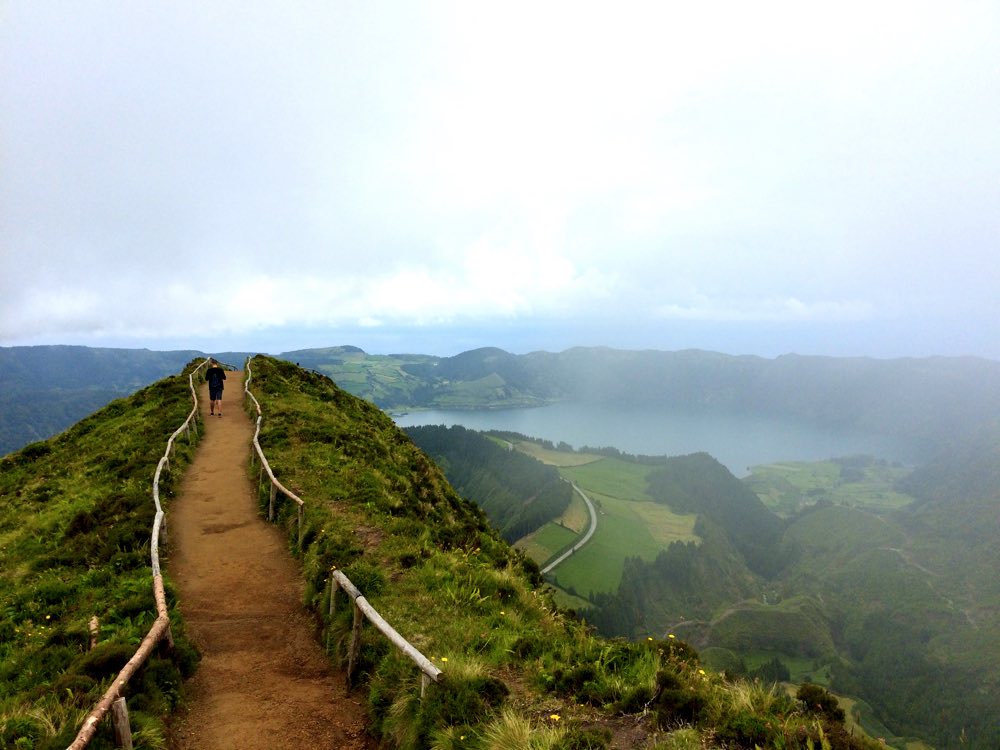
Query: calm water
[739, 442]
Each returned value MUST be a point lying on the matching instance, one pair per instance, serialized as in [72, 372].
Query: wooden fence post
[301, 525]
[119, 720]
[95, 630]
[334, 588]
[355, 650]
[270, 508]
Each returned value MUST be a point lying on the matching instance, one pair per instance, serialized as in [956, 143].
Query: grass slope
[76, 512]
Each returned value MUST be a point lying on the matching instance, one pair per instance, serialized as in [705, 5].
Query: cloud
[769, 310]
[193, 167]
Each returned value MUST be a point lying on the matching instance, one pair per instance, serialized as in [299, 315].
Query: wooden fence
[112, 700]
[338, 581]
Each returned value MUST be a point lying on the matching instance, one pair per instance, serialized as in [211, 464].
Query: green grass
[789, 486]
[612, 477]
[629, 523]
[622, 532]
[555, 457]
[76, 514]
[544, 543]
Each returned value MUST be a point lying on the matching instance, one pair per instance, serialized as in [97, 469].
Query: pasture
[787, 487]
[555, 457]
[629, 523]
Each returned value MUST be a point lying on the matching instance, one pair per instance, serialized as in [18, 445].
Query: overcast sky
[753, 178]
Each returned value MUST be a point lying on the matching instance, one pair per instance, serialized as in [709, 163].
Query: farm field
[787, 487]
[545, 542]
[556, 457]
[629, 523]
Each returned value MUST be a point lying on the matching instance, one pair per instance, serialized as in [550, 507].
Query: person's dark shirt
[215, 376]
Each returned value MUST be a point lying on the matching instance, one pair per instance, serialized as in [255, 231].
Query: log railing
[338, 581]
[112, 699]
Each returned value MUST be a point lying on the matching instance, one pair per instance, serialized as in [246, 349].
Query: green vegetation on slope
[45, 389]
[76, 515]
[866, 584]
[930, 401]
[857, 481]
[514, 666]
[518, 493]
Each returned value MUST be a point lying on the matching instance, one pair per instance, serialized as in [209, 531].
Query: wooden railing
[112, 699]
[338, 581]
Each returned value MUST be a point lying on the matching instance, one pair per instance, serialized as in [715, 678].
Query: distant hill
[45, 389]
[935, 399]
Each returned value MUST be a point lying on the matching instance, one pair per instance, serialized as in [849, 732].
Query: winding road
[584, 539]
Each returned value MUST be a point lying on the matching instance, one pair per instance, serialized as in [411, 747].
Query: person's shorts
[214, 394]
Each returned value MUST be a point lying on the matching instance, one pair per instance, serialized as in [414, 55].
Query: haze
[433, 177]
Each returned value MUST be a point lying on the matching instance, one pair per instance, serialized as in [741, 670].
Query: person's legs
[215, 398]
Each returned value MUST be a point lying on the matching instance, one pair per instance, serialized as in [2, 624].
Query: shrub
[675, 704]
[819, 701]
[584, 739]
[105, 660]
[746, 730]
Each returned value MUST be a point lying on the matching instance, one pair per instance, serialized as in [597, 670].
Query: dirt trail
[263, 681]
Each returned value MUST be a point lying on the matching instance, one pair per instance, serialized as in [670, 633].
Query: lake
[738, 441]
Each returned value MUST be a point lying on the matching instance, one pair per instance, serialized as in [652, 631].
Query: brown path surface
[263, 681]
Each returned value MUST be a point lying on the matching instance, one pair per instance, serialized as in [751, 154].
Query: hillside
[75, 519]
[517, 672]
[379, 509]
[860, 586]
[45, 389]
[933, 400]
[518, 493]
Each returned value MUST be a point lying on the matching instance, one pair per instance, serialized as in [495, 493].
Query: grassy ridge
[76, 514]
[517, 671]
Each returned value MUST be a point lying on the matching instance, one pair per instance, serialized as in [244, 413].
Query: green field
[787, 487]
[544, 543]
[629, 523]
[612, 477]
[555, 457]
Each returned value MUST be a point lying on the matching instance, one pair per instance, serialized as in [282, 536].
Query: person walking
[215, 376]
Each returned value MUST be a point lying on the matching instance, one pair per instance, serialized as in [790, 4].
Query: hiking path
[263, 680]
